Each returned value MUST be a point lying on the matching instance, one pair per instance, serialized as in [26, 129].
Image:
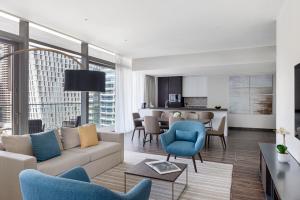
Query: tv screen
[297, 101]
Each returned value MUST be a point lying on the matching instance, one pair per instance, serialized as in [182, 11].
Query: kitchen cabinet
[194, 86]
[166, 86]
[163, 90]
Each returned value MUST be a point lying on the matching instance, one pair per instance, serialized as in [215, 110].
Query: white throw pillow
[70, 137]
[18, 144]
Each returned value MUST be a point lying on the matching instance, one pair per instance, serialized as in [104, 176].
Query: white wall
[218, 66]
[218, 94]
[288, 55]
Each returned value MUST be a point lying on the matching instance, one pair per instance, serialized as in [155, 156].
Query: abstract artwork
[251, 94]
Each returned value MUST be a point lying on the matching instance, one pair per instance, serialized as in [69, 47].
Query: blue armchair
[184, 138]
[74, 185]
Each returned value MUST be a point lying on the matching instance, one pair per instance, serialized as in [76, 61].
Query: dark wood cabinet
[166, 86]
[163, 91]
[175, 85]
[280, 180]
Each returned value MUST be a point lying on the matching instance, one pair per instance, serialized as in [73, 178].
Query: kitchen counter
[195, 108]
[218, 114]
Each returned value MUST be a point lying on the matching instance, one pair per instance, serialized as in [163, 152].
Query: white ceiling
[148, 28]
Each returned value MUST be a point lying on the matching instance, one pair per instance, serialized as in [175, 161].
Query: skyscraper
[5, 86]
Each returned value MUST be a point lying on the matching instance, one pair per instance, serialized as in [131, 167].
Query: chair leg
[132, 134]
[200, 157]
[168, 157]
[139, 133]
[144, 140]
[223, 138]
[175, 157]
[208, 139]
[194, 162]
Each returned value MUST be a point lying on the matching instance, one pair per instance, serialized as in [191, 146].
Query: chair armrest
[141, 191]
[200, 140]
[11, 164]
[77, 173]
[167, 138]
[110, 136]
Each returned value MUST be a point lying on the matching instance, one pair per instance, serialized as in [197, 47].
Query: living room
[149, 100]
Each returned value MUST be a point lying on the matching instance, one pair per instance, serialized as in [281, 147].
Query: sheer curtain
[129, 94]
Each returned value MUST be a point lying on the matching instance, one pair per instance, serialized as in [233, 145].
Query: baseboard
[252, 129]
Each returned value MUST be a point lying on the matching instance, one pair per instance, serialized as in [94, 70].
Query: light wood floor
[242, 151]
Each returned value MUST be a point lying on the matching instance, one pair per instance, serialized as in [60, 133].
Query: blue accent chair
[74, 185]
[184, 145]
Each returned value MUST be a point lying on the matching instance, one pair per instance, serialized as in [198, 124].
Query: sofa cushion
[190, 136]
[70, 137]
[181, 148]
[67, 160]
[1, 146]
[17, 144]
[88, 135]
[99, 151]
[58, 137]
[45, 145]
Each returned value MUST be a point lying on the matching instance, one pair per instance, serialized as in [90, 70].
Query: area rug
[212, 182]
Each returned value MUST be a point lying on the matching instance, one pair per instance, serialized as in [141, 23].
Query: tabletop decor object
[283, 155]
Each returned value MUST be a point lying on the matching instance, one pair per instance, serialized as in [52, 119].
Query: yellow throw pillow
[88, 135]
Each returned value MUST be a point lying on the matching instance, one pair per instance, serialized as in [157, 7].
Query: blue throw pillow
[45, 145]
[190, 136]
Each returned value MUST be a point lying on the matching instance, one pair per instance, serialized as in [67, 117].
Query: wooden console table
[280, 180]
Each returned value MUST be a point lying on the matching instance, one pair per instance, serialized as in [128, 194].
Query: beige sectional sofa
[96, 159]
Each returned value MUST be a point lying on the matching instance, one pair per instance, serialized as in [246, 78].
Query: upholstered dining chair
[151, 128]
[74, 185]
[192, 116]
[219, 133]
[174, 119]
[138, 125]
[160, 114]
[207, 116]
[184, 138]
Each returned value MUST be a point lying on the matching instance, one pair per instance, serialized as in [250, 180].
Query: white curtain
[150, 90]
[129, 94]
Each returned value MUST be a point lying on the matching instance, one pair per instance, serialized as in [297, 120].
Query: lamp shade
[84, 80]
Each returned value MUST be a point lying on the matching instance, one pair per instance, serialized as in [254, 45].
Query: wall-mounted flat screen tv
[297, 101]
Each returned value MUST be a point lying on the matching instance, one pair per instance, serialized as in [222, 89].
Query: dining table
[165, 120]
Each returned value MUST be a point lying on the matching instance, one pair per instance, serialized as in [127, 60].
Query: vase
[283, 157]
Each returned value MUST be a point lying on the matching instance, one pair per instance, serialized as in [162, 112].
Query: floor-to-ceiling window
[5, 89]
[102, 105]
[47, 99]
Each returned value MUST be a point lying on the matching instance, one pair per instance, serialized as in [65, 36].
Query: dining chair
[35, 126]
[192, 116]
[164, 125]
[160, 114]
[138, 125]
[151, 128]
[157, 113]
[173, 119]
[207, 116]
[219, 133]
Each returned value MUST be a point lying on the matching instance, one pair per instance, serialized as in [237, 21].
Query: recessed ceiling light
[86, 19]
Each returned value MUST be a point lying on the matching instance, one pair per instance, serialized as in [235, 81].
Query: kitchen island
[218, 113]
